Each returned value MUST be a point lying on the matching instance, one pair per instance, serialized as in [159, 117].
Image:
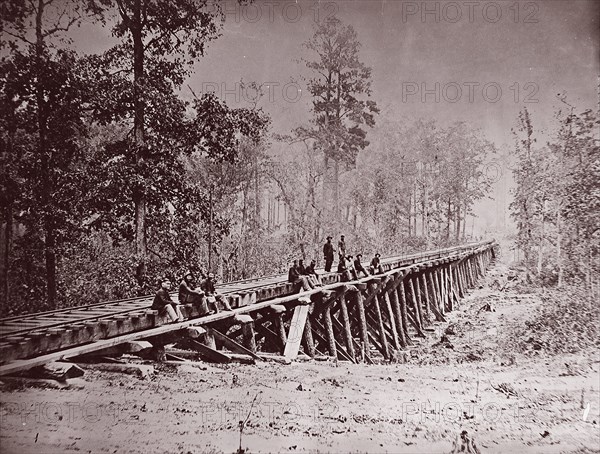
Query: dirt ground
[505, 400]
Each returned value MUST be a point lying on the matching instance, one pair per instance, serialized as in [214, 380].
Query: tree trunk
[415, 209]
[426, 213]
[8, 232]
[540, 257]
[8, 206]
[336, 190]
[257, 194]
[44, 153]
[139, 197]
[464, 224]
[50, 254]
[448, 218]
[409, 215]
[457, 233]
[558, 246]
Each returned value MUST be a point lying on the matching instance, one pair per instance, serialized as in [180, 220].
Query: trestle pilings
[375, 317]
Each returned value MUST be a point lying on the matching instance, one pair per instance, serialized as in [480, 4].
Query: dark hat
[378, 255]
[329, 237]
[358, 255]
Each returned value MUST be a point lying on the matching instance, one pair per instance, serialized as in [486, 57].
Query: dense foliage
[557, 199]
[111, 180]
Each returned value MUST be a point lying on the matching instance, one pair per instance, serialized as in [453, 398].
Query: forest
[111, 179]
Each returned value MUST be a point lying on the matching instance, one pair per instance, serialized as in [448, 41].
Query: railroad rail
[343, 319]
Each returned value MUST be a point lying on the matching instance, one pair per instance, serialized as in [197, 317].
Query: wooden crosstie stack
[370, 319]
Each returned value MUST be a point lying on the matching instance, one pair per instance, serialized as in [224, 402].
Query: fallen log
[54, 371]
[141, 370]
[42, 382]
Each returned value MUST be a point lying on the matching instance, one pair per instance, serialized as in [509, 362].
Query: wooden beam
[234, 346]
[296, 330]
[380, 326]
[356, 298]
[210, 354]
[329, 332]
[339, 348]
[417, 312]
[403, 311]
[385, 302]
[395, 305]
[309, 342]
[346, 329]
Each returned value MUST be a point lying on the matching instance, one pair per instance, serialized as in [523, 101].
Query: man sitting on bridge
[294, 276]
[358, 266]
[312, 274]
[343, 270]
[163, 302]
[376, 267]
[303, 271]
[190, 294]
[212, 296]
[301, 268]
[350, 266]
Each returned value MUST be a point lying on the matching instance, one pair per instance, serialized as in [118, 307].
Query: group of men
[189, 293]
[349, 267]
[305, 277]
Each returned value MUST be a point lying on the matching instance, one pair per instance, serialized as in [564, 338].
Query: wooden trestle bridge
[365, 320]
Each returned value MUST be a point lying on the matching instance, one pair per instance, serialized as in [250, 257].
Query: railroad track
[19, 325]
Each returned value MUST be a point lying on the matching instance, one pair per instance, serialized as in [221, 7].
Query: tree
[440, 168]
[42, 93]
[296, 176]
[525, 205]
[340, 87]
[557, 198]
[160, 38]
[228, 145]
[577, 194]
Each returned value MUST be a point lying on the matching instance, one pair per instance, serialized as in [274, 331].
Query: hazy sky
[528, 50]
[501, 55]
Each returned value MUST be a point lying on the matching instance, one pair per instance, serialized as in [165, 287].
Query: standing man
[328, 252]
[342, 247]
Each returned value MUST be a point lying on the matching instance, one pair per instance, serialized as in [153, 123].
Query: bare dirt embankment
[478, 380]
